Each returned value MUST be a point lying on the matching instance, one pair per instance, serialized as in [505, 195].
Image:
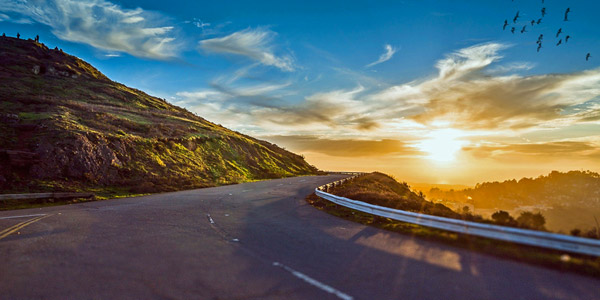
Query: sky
[427, 91]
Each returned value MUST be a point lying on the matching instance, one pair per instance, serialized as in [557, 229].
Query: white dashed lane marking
[314, 282]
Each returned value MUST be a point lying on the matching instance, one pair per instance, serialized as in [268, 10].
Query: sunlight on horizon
[442, 145]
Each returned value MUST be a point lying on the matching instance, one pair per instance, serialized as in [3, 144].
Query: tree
[530, 220]
[503, 218]
[465, 210]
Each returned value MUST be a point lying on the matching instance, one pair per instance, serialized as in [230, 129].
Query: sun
[442, 145]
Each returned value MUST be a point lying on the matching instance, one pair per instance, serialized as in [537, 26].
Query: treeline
[574, 188]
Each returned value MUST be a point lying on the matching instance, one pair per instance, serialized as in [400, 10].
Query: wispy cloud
[255, 44]
[101, 24]
[583, 149]
[465, 96]
[7, 18]
[345, 147]
[469, 93]
[387, 55]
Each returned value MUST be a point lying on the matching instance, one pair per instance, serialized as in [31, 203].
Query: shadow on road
[370, 263]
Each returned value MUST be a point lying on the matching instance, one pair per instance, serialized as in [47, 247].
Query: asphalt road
[249, 241]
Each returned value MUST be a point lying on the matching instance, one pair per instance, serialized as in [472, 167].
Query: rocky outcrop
[79, 158]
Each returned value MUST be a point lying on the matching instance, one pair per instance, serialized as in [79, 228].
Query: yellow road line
[10, 230]
[11, 227]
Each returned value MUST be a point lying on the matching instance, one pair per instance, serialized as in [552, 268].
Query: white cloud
[465, 96]
[101, 24]
[469, 92]
[251, 43]
[387, 55]
[468, 60]
[200, 95]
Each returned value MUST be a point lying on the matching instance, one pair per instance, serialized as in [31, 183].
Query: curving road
[248, 241]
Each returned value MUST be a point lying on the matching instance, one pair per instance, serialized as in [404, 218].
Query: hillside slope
[66, 126]
[381, 189]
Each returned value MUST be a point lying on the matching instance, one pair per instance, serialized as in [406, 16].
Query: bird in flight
[523, 30]
[587, 57]
[567, 13]
[540, 38]
[558, 32]
[505, 24]
[532, 22]
[543, 12]
[512, 30]
[539, 21]
[516, 17]
[559, 42]
[567, 38]
[539, 47]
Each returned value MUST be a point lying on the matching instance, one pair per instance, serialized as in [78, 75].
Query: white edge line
[24, 216]
[315, 282]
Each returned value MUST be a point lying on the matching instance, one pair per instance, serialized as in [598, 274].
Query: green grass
[32, 116]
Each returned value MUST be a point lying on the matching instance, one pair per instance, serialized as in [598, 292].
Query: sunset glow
[442, 145]
[436, 83]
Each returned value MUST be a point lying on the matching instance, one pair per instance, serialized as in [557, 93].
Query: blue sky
[376, 75]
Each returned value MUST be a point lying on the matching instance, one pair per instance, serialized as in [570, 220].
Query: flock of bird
[538, 22]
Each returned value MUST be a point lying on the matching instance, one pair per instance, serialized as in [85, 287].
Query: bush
[503, 218]
[532, 221]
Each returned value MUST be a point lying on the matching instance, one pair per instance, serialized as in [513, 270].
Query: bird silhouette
[558, 32]
[532, 22]
[567, 13]
[587, 57]
[505, 24]
[512, 30]
[567, 38]
[540, 38]
[543, 12]
[523, 30]
[539, 21]
[539, 47]
[559, 42]
[516, 17]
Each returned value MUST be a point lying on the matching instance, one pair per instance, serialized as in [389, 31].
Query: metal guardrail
[45, 196]
[522, 236]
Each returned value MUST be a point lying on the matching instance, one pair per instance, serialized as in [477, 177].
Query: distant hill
[568, 200]
[574, 188]
[64, 126]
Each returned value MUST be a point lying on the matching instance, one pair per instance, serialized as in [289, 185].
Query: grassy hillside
[381, 189]
[64, 126]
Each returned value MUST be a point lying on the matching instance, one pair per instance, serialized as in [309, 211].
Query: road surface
[248, 241]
